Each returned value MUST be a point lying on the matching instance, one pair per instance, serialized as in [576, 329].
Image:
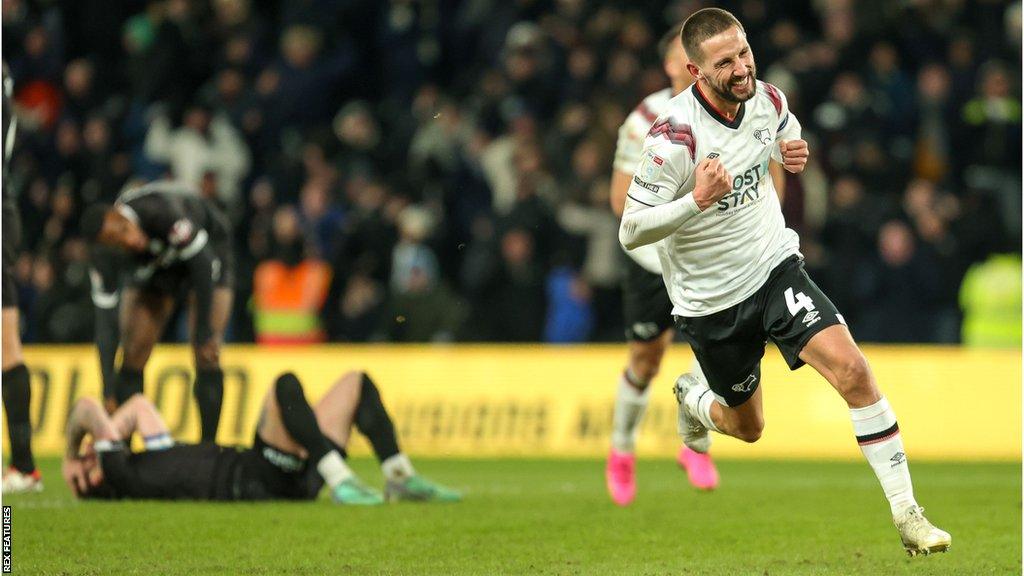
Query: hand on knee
[135, 356]
[207, 356]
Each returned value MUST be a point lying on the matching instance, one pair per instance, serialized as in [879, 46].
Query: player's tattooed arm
[87, 417]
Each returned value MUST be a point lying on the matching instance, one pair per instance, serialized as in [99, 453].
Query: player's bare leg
[355, 400]
[208, 388]
[79, 467]
[834, 354]
[631, 398]
[289, 425]
[745, 421]
[143, 317]
[21, 475]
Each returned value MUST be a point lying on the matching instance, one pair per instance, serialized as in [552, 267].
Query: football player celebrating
[734, 271]
[648, 310]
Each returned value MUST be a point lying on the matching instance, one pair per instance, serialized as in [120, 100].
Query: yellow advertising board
[556, 401]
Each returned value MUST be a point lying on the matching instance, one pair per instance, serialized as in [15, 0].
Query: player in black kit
[297, 449]
[21, 475]
[170, 243]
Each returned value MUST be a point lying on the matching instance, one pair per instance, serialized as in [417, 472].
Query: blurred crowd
[443, 165]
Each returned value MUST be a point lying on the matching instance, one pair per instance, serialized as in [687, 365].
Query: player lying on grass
[297, 449]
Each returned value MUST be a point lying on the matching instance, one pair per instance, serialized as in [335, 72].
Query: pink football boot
[699, 468]
[621, 476]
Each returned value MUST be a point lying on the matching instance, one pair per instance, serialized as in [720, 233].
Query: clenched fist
[713, 182]
[794, 155]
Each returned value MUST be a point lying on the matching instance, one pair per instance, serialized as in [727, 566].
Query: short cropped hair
[704, 24]
[665, 44]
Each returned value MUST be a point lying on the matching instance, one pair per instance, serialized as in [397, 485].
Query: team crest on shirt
[180, 231]
[763, 136]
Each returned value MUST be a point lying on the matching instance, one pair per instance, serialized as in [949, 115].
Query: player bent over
[734, 271]
[161, 242]
[296, 451]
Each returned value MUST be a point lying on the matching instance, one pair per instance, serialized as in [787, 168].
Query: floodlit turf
[545, 517]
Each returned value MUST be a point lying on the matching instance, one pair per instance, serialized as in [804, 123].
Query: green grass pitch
[545, 517]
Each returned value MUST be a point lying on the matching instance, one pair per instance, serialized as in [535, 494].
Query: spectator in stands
[204, 143]
[290, 288]
[422, 308]
[902, 286]
[495, 117]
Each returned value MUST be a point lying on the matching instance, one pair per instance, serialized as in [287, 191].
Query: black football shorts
[788, 310]
[647, 309]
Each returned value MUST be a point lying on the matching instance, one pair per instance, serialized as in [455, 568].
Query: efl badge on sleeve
[650, 168]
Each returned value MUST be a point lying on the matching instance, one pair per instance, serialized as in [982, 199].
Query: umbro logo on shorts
[645, 329]
[811, 318]
[745, 386]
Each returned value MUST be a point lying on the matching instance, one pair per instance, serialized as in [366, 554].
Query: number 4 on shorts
[798, 302]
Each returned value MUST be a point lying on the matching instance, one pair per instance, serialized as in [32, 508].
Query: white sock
[697, 371]
[397, 467]
[698, 401]
[333, 470]
[879, 437]
[630, 406]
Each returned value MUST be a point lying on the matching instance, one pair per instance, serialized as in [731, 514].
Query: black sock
[129, 383]
[17, 394]
[372, 421]
[299, 419]
[209, 393]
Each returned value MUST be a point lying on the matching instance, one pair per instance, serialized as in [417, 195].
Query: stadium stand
[449, 161]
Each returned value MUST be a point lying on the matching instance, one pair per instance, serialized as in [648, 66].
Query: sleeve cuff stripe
[640, 201]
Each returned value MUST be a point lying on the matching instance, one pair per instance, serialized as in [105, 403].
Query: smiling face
[726, 65]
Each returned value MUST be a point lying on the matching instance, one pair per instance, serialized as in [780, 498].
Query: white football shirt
[628, 148]
[724, 254]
